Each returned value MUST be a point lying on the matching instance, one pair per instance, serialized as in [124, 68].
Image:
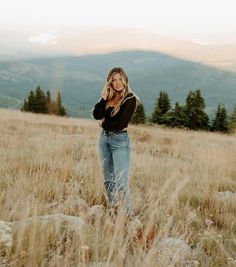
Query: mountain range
[214, 50]
[81, 79]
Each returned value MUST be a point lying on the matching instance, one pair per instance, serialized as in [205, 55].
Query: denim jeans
[115, 156]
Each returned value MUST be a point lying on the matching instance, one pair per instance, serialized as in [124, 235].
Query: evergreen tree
[40, 105]
[194, 109]
[220, 123]
[139, 115]
[48, 97]
[161, 107]
[164, 102]
[176, 117]
[156, 116]
[199, 100]
[50, 103]
[60, 109]
[216, 121]
[232, 120]
[29, 103]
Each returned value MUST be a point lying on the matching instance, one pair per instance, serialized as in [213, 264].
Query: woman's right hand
[106, 91]
[100, 122]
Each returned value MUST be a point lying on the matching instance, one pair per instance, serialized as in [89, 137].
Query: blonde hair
[127, 90]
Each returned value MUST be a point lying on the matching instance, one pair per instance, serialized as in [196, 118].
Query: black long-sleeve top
[121, 119]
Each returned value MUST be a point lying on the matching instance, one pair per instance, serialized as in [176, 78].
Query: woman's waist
[112, 132]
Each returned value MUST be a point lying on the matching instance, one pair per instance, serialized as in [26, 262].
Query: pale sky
[43, 21]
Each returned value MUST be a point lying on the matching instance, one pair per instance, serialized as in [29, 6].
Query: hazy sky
[197, 20]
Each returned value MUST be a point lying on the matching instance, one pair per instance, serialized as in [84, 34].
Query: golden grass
[48, 162]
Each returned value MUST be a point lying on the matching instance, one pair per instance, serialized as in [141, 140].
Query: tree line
[192, 115]
[39, 102]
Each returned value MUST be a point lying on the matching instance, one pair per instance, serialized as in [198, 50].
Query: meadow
[183, 186]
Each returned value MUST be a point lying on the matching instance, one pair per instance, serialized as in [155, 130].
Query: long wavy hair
[126, 91]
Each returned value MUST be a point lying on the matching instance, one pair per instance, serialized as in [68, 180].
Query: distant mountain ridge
[80, 79]
[218, 50]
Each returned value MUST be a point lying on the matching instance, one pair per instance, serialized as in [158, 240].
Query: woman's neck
[117, 96]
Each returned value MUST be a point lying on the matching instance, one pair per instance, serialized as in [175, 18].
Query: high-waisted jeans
[115, 155]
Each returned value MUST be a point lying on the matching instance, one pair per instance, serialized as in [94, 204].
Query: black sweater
[121, 119]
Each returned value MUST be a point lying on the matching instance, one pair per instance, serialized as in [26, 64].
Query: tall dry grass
[48, 162]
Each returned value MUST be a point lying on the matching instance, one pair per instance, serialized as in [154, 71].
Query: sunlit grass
[48, 163]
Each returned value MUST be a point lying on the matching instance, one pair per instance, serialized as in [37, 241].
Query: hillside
[183, 193]
[10, 102]
[81, 79]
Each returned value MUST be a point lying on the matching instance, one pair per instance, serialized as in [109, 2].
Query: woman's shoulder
[129, 99]
[129, 95]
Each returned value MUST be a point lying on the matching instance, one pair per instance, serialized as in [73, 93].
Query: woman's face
[117, 82]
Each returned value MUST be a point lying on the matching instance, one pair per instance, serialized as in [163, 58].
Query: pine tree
[220, 123]
[139, 115]
[232, 120]
[29, 103]
[40, 105]
[199, 100]
[50, 103]
[216, 121]
[60, 109]
[164, 102]
[176, 117]
[194, 109]
[161, 107]
[48, 97]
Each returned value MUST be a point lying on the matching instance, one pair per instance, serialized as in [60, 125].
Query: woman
[114, 111]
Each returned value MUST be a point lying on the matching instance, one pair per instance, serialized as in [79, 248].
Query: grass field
[183, 186]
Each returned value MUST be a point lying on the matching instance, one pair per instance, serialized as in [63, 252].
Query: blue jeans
[115, 155]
